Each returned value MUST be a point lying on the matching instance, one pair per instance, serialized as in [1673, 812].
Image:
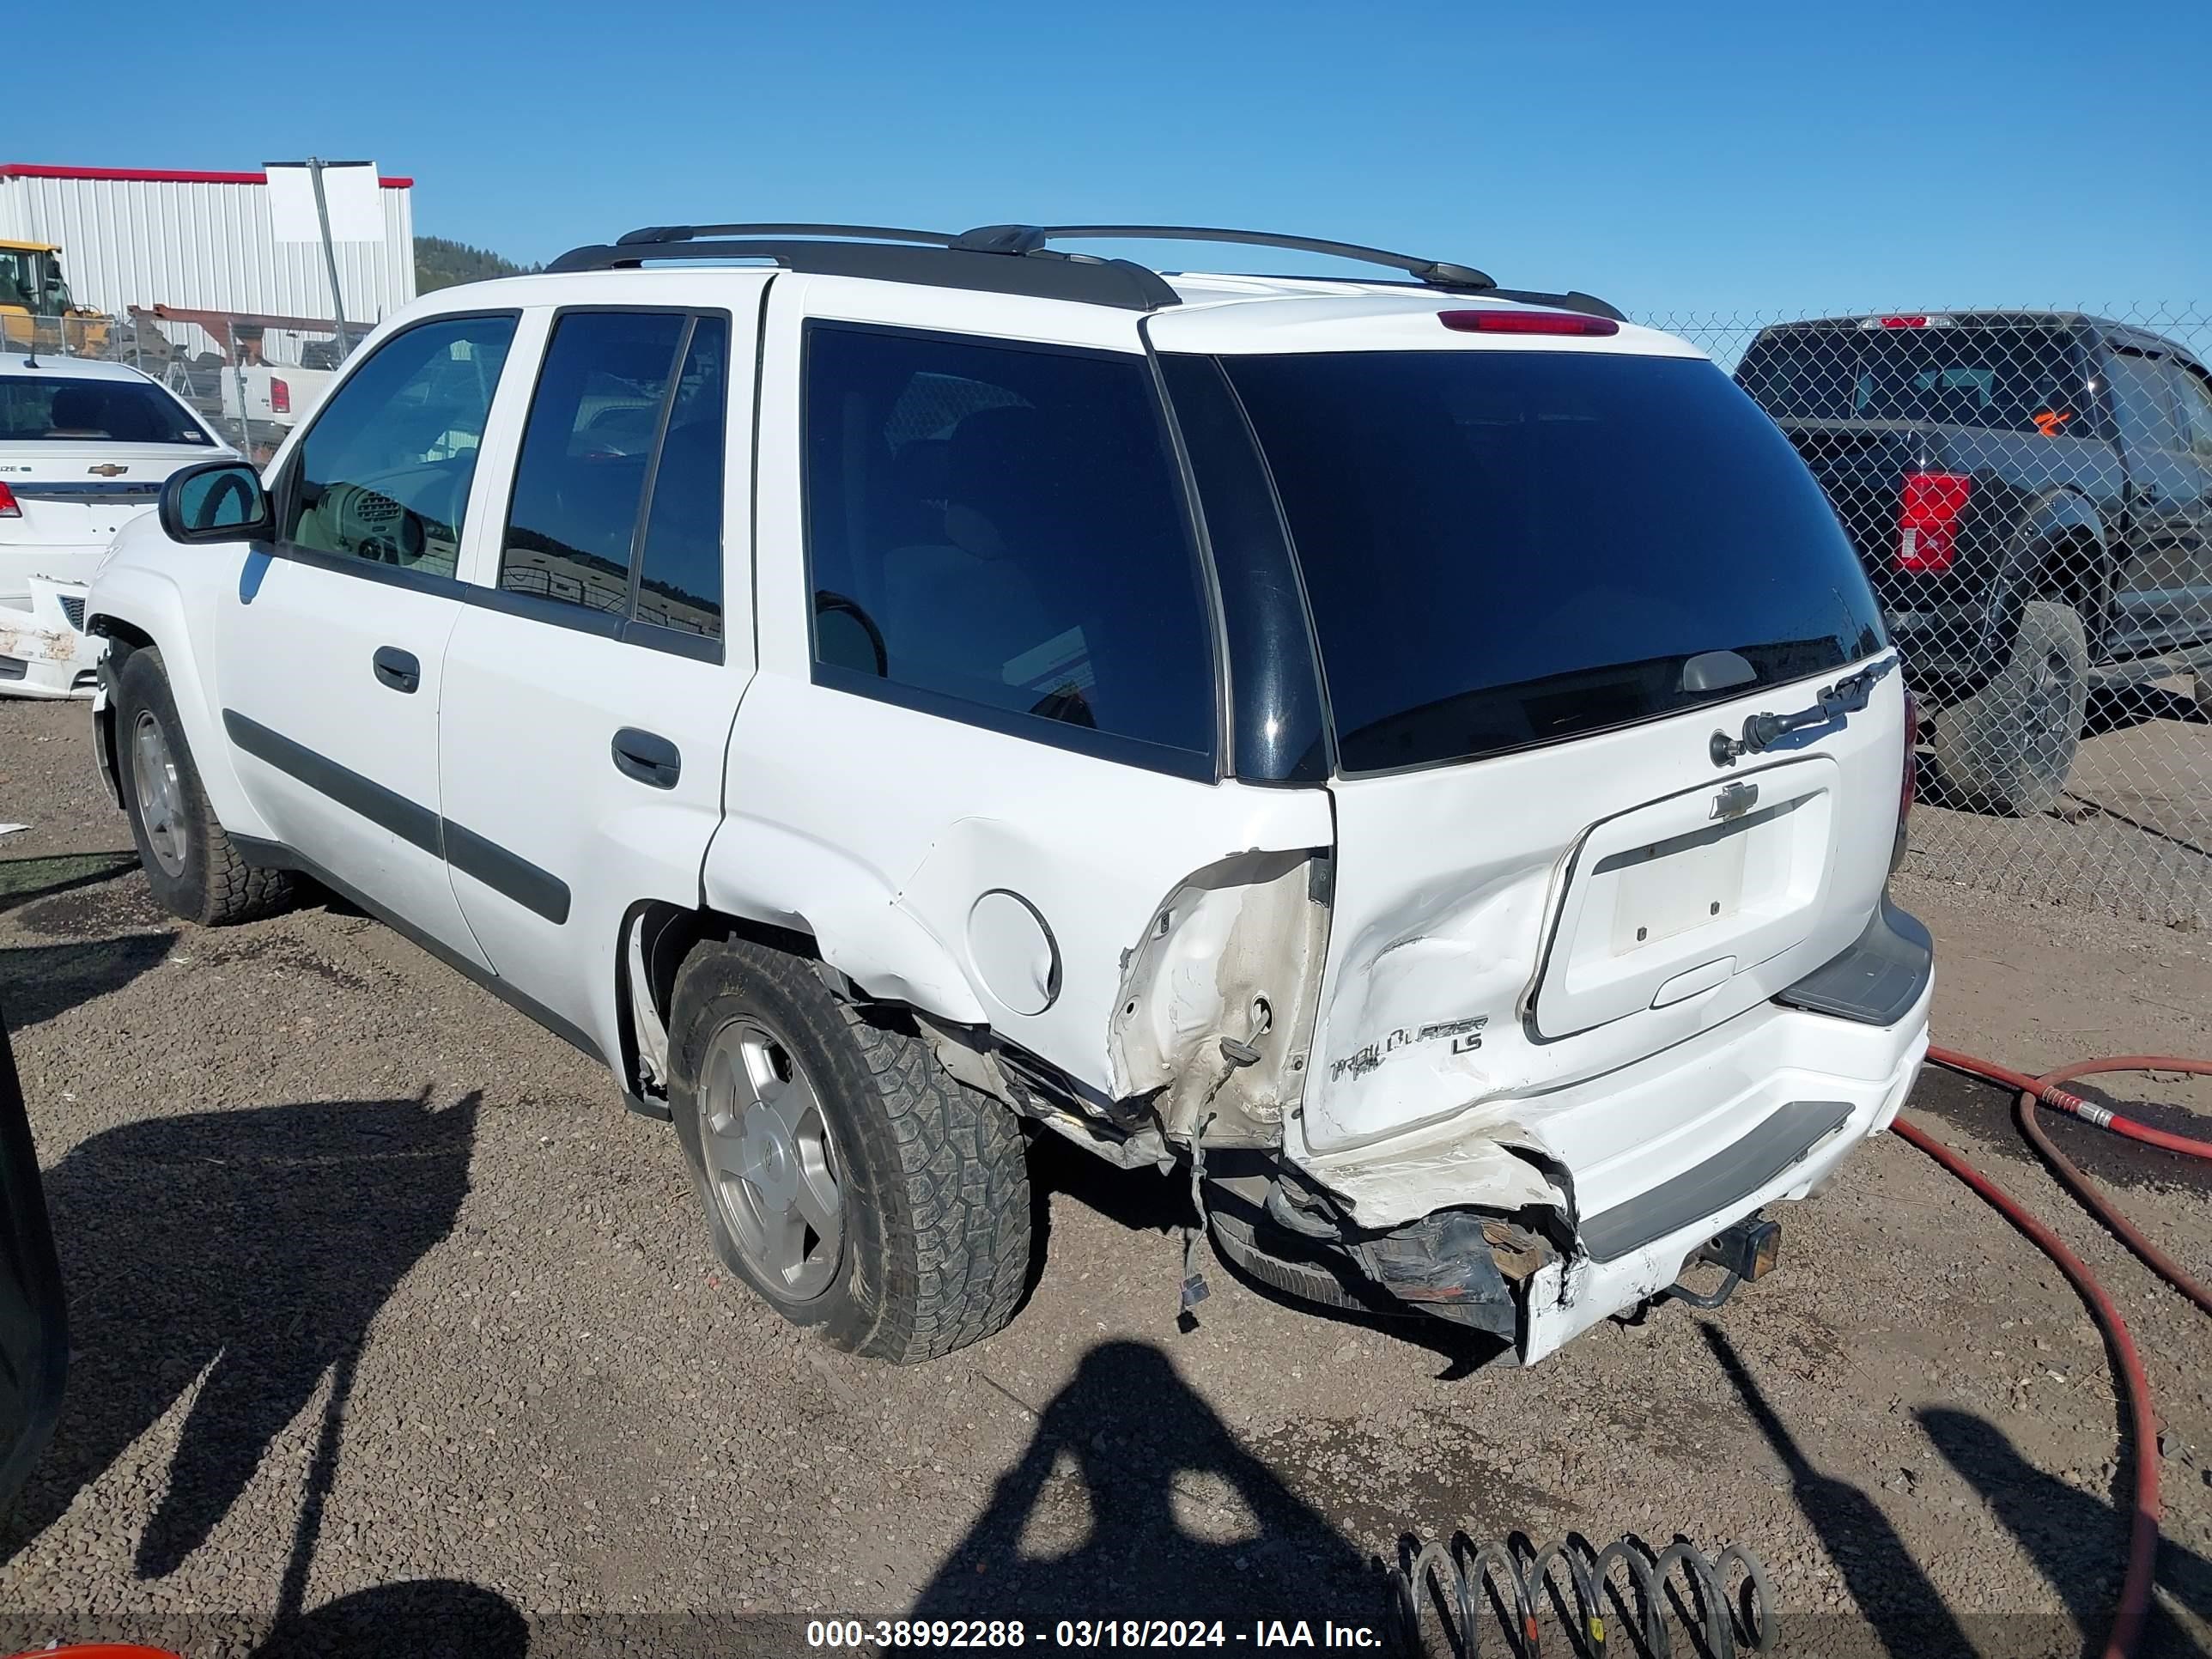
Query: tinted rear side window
[1510, 548]
[593, 427]
[999, 533]
[1999, 377]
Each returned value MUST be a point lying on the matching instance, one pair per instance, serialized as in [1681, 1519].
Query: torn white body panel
[1453, 881]
[44, 652]
[1622, 1134]
[1565, 1297]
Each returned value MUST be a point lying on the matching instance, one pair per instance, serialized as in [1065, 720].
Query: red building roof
[153, 175]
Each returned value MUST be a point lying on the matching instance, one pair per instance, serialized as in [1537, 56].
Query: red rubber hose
[2143, 1541]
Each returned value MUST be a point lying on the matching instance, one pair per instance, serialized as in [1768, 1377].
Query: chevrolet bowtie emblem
[1735, 800]
[107, 470]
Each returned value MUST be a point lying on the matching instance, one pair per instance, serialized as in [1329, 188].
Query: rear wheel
[844, 1177]
[193, 867]
[2008, 747]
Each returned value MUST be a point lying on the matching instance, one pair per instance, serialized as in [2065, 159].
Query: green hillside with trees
[440, 263]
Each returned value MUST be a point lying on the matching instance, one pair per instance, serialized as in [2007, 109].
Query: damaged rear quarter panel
[950, 812]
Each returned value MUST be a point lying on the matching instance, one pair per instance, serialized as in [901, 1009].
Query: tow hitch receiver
[1747, 1250]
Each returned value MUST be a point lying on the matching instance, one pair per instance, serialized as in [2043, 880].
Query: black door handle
[647, 757]
[398, 669]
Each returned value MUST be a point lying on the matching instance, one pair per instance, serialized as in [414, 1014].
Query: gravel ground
[2133, 836]
[388, 1324]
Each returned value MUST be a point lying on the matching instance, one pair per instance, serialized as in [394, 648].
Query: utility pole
[330, 255]
[290, 225]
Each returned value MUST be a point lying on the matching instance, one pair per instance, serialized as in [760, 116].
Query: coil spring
[1729, 1609]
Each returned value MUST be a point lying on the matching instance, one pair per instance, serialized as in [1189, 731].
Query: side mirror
[217, 502]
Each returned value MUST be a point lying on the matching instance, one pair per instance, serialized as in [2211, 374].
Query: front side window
[1002, 529]
[54, 409]
[2193, 398]
[621, 471]
[2139, 401]
[384, 473]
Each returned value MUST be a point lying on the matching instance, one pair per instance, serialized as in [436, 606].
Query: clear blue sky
[1674, 158]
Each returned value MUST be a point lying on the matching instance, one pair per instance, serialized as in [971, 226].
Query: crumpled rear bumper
[43, 651]
[1647, 1163]
[1837, 1111]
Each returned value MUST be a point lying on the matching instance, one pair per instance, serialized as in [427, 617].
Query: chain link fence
[2030, 492]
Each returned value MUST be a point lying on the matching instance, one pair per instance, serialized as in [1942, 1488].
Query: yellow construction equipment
[35, 309]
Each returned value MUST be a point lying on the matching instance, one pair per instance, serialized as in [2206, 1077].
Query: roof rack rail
[1033, 239]
[995, 259]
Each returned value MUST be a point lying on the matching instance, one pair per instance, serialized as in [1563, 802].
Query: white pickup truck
[1421, 757]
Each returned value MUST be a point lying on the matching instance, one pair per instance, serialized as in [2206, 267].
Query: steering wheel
[211, 502]
[829, 604]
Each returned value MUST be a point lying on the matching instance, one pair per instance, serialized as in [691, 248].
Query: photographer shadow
[1182, 1522]
[239, 1256]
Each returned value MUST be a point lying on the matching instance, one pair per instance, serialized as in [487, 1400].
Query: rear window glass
[1510, 548]
[36, 409]
[1999, 378]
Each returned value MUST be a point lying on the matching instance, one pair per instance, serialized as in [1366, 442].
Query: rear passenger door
[989, 700]
[590, 685]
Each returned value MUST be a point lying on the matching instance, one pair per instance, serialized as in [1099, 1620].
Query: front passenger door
[333, 640]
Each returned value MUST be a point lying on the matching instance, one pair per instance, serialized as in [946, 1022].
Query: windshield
[46, 408]
[1996, 376]
[1509, 547]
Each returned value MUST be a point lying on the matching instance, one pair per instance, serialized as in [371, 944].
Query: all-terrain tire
[2008, 747]
[935, 1185]
[209, 883]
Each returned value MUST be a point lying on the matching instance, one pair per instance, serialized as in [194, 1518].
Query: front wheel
[846, 1178]
[191, 865]
[2008, 747]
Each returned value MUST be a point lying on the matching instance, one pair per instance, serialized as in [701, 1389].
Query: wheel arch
[145, 609]
[2062, 554]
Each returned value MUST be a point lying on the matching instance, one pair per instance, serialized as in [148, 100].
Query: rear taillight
[1527, 322]
[8, 508]
[1928, 519]
[280, 397]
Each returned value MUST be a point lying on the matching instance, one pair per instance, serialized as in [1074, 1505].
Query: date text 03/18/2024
[848, 1634]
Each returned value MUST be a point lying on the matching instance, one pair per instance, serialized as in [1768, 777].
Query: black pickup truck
[2032, 494]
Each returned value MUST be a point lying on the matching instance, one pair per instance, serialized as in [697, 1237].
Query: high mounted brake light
[1527, 322]
[8, 508]
[1928, 519]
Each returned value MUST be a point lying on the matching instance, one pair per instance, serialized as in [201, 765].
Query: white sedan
[84, 448]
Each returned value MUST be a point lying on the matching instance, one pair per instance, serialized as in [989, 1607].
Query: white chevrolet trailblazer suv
[84, 448]
[1423, 753]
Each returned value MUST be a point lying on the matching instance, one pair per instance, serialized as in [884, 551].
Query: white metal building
[138, 237]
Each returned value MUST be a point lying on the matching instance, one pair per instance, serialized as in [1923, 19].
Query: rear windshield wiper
[1763, 731]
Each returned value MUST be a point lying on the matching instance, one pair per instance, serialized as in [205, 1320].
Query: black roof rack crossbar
[1030, 239]
[659, 233]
